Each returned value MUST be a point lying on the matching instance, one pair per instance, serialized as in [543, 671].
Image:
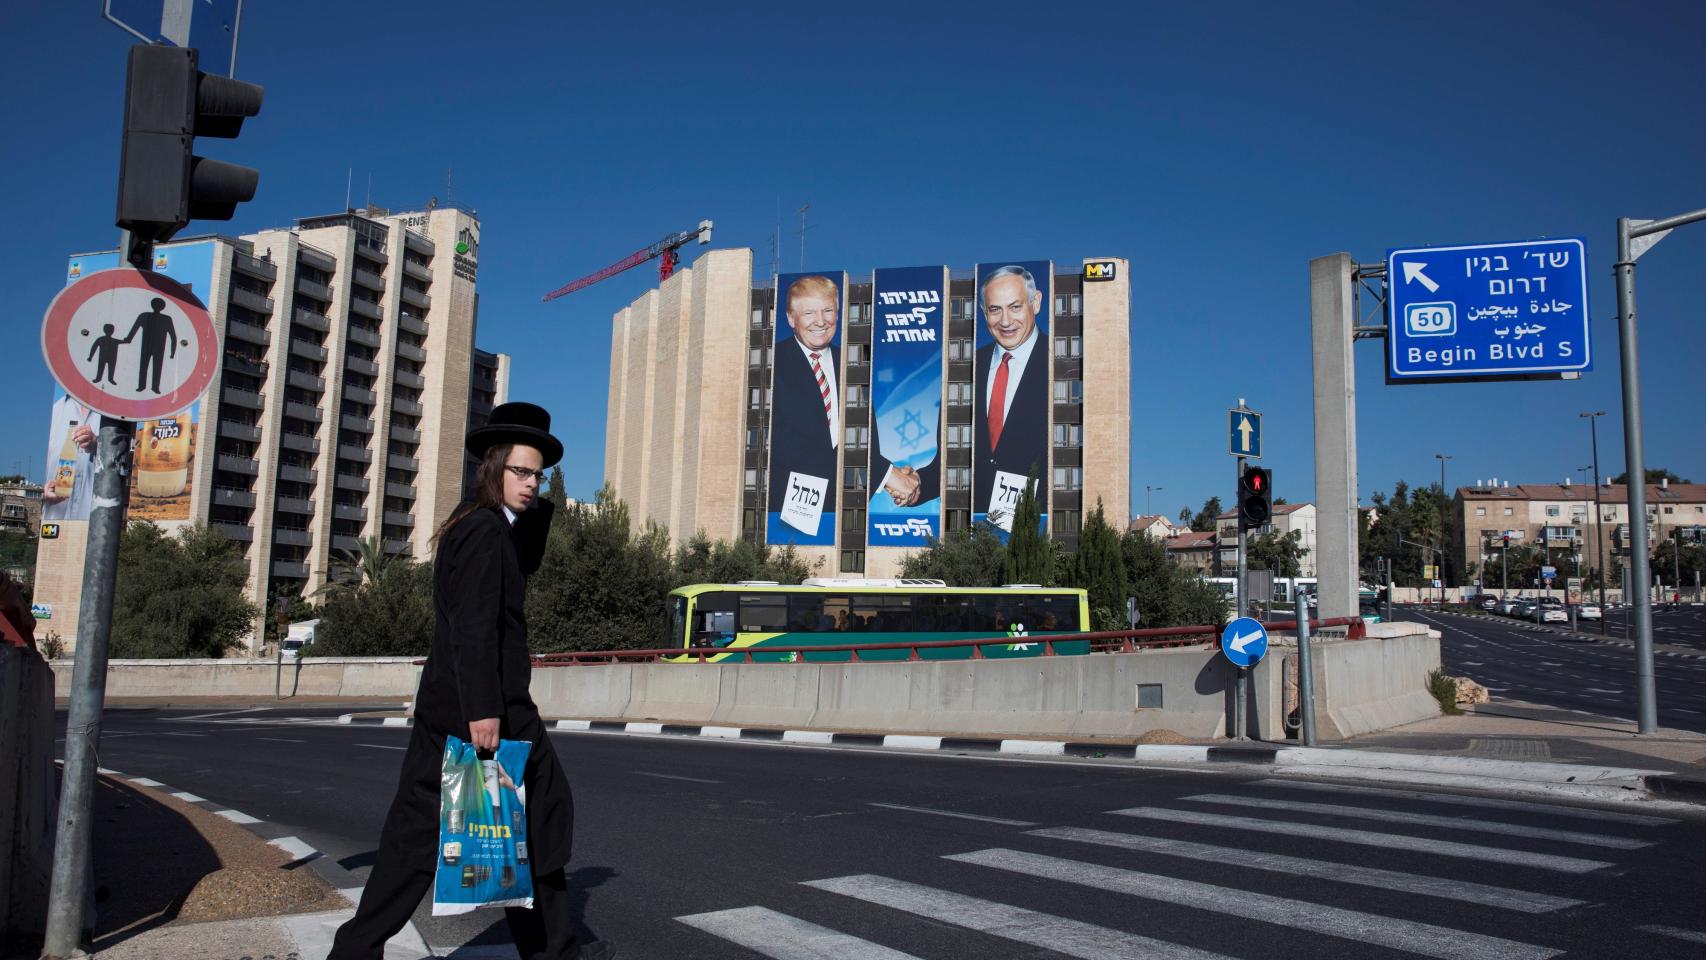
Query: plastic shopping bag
[482, 830]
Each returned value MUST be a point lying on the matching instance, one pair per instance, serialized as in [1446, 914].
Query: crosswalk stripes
[771, 933]
[1489, 803]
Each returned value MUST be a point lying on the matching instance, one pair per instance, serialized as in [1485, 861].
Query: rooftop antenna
[449, 194]
[370, 188]
[349, 181]
[803, 209]
[776, 243]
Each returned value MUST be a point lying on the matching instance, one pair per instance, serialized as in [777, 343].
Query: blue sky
[1219, 147]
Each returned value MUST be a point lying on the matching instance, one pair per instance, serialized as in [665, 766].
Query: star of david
[910, 430]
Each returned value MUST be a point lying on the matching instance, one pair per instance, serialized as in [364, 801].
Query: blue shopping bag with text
[482, 829]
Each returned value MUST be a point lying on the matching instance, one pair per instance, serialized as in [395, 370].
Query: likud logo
[1099, 270]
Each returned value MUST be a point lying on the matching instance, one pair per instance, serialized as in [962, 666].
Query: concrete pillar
[1331, 322]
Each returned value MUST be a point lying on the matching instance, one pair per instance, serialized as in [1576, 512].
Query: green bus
[830, 611]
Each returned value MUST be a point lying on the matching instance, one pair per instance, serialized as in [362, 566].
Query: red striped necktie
[823, 387]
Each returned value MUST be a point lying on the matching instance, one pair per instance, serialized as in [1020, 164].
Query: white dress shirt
[1015, 372]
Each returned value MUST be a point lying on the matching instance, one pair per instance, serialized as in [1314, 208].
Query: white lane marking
[1045, 748]
[951, 813]
[221, 713]
[189, 797]
[171, 734]
[1074, 938]
[280, 740]
[807, 736]
[295, 846]
[1603, 690]
[1692, 936]
[638, 727]
[1425, 820]
[1393, 841]
[236, 816]
[395, 722]
[1448, 888]
[724, 733]
[1409, 936]
[1526, 806]
[671, 776]
[782, 937]
[381, 746]
[145, 782]
[574, 725]
[910, 742]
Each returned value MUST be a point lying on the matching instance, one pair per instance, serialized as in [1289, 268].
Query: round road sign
[130, 344]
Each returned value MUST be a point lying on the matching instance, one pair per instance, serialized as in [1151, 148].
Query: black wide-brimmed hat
[522, 423]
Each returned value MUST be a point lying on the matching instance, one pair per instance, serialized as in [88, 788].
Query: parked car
[1488, 602]
[1508, 605]
[1524, 609]
[1546, 614]
[1588, 611]
[1544, 607]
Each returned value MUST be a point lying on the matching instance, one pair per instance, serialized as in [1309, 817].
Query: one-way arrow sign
[1244, 642]
[1244, 433]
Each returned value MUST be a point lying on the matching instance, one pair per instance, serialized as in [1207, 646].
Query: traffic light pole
[68, 893]
[1242, 606]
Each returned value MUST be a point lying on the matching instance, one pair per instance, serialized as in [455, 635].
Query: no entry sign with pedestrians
[130, 344]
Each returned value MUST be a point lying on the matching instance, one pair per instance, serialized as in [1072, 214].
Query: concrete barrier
[1378, 683]
[394, 677]
[29, 791]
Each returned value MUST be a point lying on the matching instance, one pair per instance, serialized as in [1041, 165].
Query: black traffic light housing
[162, 184]
[1255, 498]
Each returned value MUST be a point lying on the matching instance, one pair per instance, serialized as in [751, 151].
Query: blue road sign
[212, 27]
[1245, 641]
[1244, 433]
[1493, 311]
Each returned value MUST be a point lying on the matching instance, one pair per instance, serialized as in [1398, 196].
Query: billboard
[1011, 388]
[160, 484]
[805, 409]
[909, 329]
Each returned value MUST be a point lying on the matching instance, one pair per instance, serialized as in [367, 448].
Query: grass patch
[1444, 690]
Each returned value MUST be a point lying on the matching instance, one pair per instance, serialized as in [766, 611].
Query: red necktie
[998, 403]
[822, 385]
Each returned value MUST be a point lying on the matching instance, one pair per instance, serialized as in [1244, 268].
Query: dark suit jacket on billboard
[1024, 432]
[799, 430]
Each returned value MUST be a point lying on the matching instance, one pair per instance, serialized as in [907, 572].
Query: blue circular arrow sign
[1245, 641]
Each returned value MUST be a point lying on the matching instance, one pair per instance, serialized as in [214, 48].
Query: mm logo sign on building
[1099, 270]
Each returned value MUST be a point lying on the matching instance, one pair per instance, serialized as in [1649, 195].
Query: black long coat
[479, 668]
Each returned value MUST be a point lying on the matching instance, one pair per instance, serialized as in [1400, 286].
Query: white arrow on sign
[1245, 639]
[1413, 273]
[1244, 430]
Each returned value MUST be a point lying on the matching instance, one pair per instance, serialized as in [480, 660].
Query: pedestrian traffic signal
[1255, 498]
[162, 184]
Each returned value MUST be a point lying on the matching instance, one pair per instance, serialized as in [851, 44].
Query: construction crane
[663, 249]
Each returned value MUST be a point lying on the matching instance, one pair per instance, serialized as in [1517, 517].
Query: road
[1515, 660]
[736, 850]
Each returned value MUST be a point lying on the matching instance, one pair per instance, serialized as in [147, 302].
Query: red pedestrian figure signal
[1255, 498]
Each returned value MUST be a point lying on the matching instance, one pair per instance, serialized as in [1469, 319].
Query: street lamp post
[1147, 490]
[1442, 458]
[1599, 551]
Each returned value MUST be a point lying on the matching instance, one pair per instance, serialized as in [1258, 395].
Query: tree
[389, 615]
[1280, 552]
[967, 557]
[700, 560]
[1029, 559]
[600, 586]
[1185, 516]
[1666, 563]
[1167, 594]
[1654, 475]
[554, 489]
[179, 596]
[1208, 518]
[1099, 567]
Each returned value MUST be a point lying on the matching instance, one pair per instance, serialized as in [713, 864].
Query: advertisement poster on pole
[806, 415]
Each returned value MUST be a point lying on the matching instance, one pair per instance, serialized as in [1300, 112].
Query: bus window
[763, 613]
[675, 622]
[1059, 613]
[816, 613]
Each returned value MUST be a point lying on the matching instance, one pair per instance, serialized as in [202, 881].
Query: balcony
[251, 300]
[234, 464]
[359, 365]
[240, 431]
[233, 497]
[409, 407]
[364, 335]
[418, 270]
[405, 434]
[238, 397]
[318, 259]
[410, 380]
[290, 570]
[311, 320]
[350, 481]
[401, 490]
[416, 298]
[295, 505]
[360, 394]
[303, 411]
[317, 291]
[306, 381]
[345, 511]
[417, 242]
[396, 519]
[302, 442]
[411, 352]
[238, 532]
[307, 350]
[356, 424]
[413, 324]
[237, 362]
[368, 279]
[399, 547]
[346, 543]
[399, 462]
[292, 537]
[239, 330]
[365, 308]
[297, 474]
[355, 454]
[253, 266]
[371, 249]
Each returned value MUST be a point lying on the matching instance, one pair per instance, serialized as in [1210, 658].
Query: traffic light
[1255, 498]
[162, 184]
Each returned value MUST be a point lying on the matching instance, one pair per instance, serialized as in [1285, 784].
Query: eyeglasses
[522, 473]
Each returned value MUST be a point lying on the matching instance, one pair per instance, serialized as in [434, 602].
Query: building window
[858, 395]
[1069, 347]
[752, 438]
[1480, 511]
[1670, 510]
[853, 519]
[959, 394]
[959, 436]
[1069, 435]
[1552, 511]
[1077, 304]
[852, 561]
[1508, 511]
[1067, 522]
[755, 357]
[749, 519]
[759, 398]
[959, 349]
[858, 313]
[858, 353]
[853, 478]
[858, 438]
[962, 308]
[758, 317]
[1068, 478]
[959, 478]
[752, 479]
[1069, 391]
[958, 519]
